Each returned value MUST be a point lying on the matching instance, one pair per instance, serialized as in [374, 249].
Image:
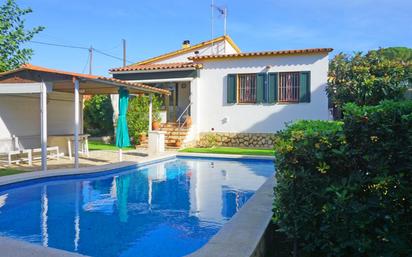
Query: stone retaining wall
[255, 140]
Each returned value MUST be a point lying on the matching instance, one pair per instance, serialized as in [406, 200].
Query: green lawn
[6, 171]
[98, 145]
[230, 150]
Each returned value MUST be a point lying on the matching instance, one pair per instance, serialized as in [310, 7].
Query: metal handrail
[181, 115]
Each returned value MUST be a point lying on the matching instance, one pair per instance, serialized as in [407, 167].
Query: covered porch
[40, 104]
[178, 78]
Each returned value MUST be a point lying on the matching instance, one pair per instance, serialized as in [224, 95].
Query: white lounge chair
[52, 152]
[9, 150]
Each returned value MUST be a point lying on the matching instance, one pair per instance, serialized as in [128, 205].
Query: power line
[109, 55]
[59, 45]
[80, 47]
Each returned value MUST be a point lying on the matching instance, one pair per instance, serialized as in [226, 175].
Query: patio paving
[95, 158]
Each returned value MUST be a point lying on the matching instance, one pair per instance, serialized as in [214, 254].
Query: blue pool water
[170, 208]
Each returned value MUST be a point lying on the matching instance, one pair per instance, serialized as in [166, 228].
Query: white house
[241, 97]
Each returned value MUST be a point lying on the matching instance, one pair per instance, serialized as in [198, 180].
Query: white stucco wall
[221, 47]
[214, 113]
[20, 116]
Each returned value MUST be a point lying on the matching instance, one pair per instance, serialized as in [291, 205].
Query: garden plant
[138, 115]
[344, 188]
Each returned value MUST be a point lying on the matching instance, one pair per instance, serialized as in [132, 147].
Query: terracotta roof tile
[87, 76]
[265, 53]
[162, 66]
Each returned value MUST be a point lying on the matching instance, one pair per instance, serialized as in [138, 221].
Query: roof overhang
[150, 71]
[157, 67]
[62, 81]
[309, 51]
[163, 80]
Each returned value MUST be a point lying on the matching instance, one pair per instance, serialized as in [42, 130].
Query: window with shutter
[304, 90]
[272, 88]
[231, 93]
[261, 88]
[283, 87]
[288, 90]
[247, 88]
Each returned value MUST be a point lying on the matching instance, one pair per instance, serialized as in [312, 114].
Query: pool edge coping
[35, 175]
[226, 156]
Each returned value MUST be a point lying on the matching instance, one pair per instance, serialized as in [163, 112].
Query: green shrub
[138, 115]
[98, 116]
[381, 140]
[305, 153]
[345, 189]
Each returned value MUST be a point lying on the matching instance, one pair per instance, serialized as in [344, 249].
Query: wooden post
[43, 125]
[76, 122]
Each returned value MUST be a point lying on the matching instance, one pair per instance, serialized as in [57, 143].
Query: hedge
[344, 189]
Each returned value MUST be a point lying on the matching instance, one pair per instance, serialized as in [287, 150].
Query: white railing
[182, 115]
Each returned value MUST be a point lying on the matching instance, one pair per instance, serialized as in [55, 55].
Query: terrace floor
[95, 158]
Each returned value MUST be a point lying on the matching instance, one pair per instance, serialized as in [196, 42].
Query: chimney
[185, 44]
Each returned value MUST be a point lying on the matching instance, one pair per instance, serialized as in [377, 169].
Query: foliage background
[13, 34]
[98, 116]
[138, 114]
[344, 189]
[367, 79]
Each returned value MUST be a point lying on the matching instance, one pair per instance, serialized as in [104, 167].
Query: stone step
[174, 129]
[172, 147]
[176, 137]
[172, 125]
[176, 134]
[169, 125]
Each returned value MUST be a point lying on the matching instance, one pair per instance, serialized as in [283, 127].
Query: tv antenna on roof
[222, 10]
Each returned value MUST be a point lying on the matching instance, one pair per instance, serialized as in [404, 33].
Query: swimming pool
[170, 208]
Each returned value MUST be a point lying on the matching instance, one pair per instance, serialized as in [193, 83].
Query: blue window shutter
[260, 87]
[231, 88]
[304, 90]
[273, 88]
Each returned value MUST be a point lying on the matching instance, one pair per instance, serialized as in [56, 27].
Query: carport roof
[63, 81]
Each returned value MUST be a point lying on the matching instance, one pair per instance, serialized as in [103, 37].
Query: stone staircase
[173, 133]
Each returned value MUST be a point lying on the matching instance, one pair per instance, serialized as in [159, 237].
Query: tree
[403, 54]
[13, 35]
[368, 79]
[98, 116]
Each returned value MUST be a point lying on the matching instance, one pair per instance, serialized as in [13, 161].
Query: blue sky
[155, 27]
